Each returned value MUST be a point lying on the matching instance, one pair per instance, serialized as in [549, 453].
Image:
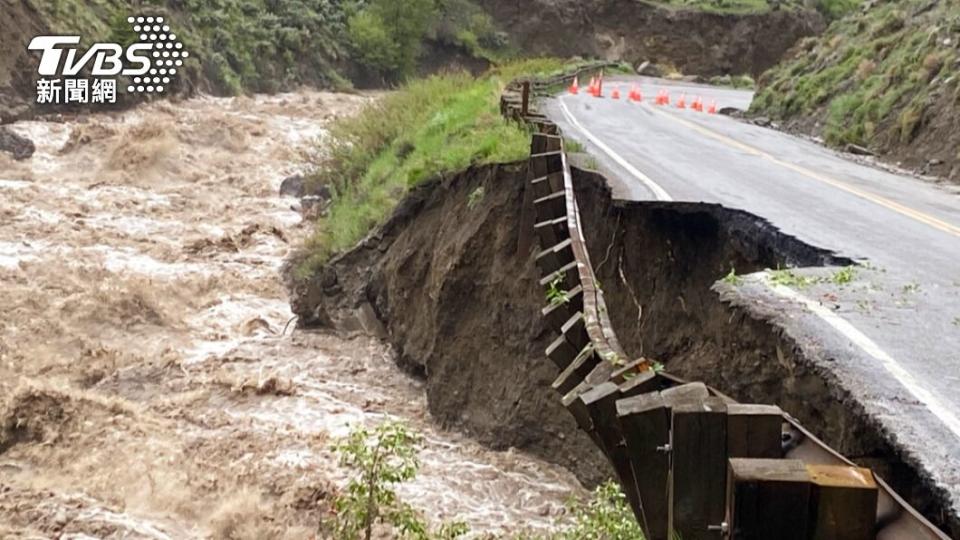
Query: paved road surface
[895, 330]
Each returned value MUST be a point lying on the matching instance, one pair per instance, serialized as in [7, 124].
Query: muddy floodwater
[147, 387]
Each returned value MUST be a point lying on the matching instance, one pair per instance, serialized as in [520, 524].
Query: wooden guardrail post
[768, 498]
[645, 424]
[525, 100]
[698, 441]
[754, 431]
[844, 501]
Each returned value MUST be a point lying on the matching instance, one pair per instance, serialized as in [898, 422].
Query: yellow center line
[872, 197]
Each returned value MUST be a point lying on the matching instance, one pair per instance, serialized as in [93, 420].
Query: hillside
[884, 78]
[241, 46]
[704, 37]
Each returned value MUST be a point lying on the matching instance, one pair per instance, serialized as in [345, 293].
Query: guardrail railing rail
[693, 463]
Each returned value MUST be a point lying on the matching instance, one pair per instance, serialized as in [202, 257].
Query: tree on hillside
[387, 35]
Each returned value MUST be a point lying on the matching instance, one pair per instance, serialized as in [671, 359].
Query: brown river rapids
[147, 387]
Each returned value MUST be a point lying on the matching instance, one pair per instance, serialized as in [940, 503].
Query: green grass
[240, 46]
[732, 278]
[789, 278]
[428, 128]
[875, 78]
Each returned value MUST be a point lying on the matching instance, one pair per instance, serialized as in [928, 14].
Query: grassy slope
[237, 45]
[261, 45]
[430, 127]
[884, 78]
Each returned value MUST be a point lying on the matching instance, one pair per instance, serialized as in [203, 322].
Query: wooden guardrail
[692, 462]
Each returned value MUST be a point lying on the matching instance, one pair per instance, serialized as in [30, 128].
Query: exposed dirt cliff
[462, 308]
[691, 40]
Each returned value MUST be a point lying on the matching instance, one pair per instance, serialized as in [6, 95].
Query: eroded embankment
[444, 280]
[462, 307]
[691, 40]
[660, 265]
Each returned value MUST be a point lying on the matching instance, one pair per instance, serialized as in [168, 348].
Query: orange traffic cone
[635, 94]
[712, 109]
[697, 104]
[599, 91]
[616, 93]
[575, 87]
[682, 102]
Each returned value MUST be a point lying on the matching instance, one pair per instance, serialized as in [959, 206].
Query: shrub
[606, 516]
[387, 35]
[382, 458]
[835, 9]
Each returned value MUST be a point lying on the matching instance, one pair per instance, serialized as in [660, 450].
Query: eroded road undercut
[444, 282]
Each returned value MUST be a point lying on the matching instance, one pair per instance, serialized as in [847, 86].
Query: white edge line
[870, 347]
[658, 192]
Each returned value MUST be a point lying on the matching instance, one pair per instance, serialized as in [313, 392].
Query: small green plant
[913, 287]
[572, 146]
[789, 278]
[592, 163]
[732, 278]
[555, 294]
[658, 367]
[606, 516]
[382, 458]
[844, 276]
[474, 198]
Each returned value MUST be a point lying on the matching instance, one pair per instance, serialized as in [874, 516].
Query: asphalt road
[893, 332]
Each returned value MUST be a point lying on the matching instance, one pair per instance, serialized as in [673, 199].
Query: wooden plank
[574, 373]
[557, 314]
[541, 143]
[685, 392]
[552, 231]
[754, 431]
[844, 502]
[575, 331]
[552, 206]
[561, 352]
[768, 499]
[699, 467]
[600, 402]
[545, 163]
[569, 276]
[554, 257]
[640, 383]
[571, 401]
[645, 425]
[545, 185]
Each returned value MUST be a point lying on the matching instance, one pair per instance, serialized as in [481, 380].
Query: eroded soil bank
[148, 388]
[444, 281]
[690, 40]
[462, 307]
